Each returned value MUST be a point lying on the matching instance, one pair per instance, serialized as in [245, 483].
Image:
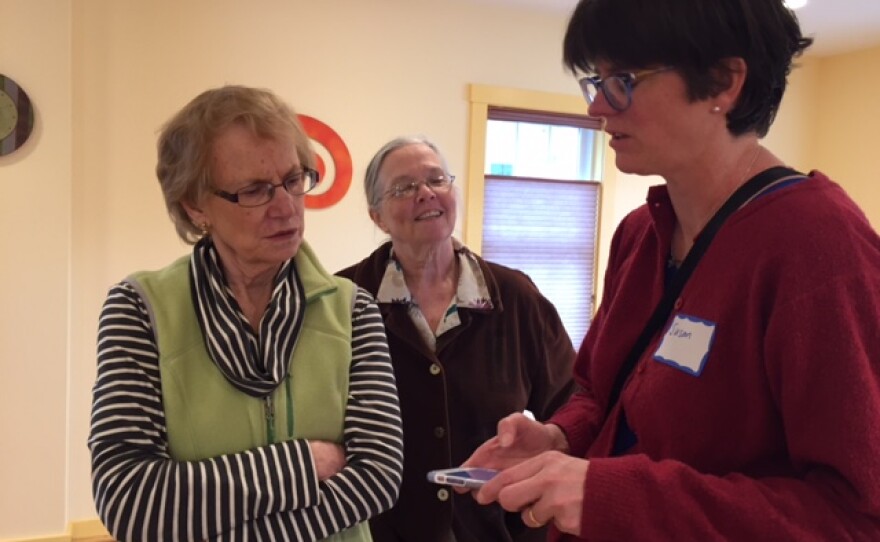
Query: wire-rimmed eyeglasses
[262, 192]
[408, 189]
[616, 88]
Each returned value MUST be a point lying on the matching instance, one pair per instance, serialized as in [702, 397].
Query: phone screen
[467, 477]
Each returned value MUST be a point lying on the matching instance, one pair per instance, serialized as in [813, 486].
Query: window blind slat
[548, 231]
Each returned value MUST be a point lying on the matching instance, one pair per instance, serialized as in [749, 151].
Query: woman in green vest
[242, 392]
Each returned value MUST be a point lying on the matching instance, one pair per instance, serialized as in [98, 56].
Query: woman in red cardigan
[752, 411]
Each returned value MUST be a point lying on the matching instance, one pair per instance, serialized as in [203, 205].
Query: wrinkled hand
[549, 487]
[329, 458]
[519, 438]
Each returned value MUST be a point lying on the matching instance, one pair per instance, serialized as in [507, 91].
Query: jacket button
[443, 494]
[439, 432]
[678, 303]
[435, 369]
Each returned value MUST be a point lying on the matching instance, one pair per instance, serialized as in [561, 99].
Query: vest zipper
[289, 408]
[270, 419]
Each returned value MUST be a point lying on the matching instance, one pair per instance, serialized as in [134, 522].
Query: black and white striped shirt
[266, 493]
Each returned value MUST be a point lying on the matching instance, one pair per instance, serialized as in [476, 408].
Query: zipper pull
[270, 419]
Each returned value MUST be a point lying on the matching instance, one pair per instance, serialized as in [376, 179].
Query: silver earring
[716, 109]
[204, 227]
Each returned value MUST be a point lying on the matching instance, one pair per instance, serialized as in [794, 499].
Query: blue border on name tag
[674, 364]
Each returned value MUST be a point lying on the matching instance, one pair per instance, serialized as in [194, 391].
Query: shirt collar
[472, 291]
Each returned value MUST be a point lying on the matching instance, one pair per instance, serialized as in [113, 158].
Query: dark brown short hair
[694, 37]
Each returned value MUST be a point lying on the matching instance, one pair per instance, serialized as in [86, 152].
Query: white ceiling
[838, 26]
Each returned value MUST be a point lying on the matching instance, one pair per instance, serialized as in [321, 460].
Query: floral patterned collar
[472, 293]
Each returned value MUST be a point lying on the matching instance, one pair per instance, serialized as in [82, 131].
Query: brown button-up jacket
[506, 359]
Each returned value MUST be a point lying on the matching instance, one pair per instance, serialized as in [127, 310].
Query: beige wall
[81, 207]
[847, 121]
[35, 244]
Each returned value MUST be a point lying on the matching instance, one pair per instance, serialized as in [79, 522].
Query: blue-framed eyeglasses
[262, 192]
[616, 88]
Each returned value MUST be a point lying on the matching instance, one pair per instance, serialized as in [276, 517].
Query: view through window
[541, 204]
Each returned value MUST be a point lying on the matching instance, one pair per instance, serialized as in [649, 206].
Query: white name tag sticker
[686, 344]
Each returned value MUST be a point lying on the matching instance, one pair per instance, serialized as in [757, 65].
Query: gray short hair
[185, 143]
[372, 188]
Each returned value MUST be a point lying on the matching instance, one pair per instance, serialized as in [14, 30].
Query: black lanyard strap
[738, 199]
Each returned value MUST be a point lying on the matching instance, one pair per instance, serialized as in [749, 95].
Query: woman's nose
[283, 201]
[600, 107]
[423, 192]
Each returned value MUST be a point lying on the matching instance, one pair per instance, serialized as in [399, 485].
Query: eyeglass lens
[409, 189]
[260, 193]
[615, 89]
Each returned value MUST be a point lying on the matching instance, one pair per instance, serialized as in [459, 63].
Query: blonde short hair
[185, 143]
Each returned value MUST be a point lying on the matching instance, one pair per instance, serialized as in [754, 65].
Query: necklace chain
[744, 178]
[752, 161]
[751, 165]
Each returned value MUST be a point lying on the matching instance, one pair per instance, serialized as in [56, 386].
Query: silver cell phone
[472, 477]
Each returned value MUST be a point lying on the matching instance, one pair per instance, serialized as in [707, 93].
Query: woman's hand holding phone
[519, 438]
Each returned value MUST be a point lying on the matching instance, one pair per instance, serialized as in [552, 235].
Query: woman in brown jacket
[471, 342]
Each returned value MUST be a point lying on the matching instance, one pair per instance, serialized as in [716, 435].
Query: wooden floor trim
[87, 530]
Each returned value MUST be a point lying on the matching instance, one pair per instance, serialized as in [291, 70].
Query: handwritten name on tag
[686, 344]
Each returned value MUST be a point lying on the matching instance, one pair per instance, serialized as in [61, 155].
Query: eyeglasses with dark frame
[616, 88]
[438, 185]
[262, 192]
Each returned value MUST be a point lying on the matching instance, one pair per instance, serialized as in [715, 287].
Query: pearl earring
[716, 109]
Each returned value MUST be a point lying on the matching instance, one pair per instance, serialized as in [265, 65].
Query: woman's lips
[283, 234]
[435, 213]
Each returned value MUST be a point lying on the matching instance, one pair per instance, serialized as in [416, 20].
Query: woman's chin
[285, 247]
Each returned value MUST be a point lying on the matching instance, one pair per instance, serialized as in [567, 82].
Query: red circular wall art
[325, 136]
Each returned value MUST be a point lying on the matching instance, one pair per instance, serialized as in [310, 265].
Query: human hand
[329, 458]
[549, 487]
[518, 438]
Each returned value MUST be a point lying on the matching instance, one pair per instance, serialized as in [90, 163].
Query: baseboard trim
[85, 530]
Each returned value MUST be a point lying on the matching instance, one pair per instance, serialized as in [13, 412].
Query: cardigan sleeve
[270, 491]
[581, 418]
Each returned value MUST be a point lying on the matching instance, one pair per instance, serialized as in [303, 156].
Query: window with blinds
[541, 205]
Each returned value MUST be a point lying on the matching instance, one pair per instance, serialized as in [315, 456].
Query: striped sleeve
[266, 492]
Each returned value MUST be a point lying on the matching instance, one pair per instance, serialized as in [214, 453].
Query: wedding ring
[533, 520]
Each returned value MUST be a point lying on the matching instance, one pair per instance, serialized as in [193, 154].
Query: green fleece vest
[206, 416]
